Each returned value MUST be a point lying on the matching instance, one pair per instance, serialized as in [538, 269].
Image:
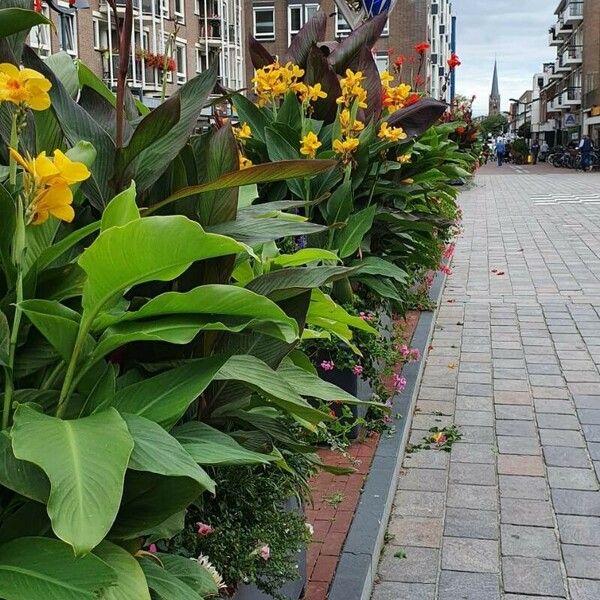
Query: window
[264, 22]
[39, 36]
[298, 14]
[179, 11]
[180, 59]
[382, 60]
[342, 29]
[67, 34]
[100, 34]
[201, 60]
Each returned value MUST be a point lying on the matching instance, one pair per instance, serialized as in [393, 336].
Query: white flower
[204, 562]
[310, 528]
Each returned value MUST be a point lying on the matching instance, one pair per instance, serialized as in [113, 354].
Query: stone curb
[357, 566]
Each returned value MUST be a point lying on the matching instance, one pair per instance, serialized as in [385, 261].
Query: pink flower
[365, 316]
[399, 382]
[203, 530]
[357, 369]
[265, 552]
[449, 251]
[387, 419]
[404, 350]
[445, 269]
[415, 354]
[152, 549]
[327, 365]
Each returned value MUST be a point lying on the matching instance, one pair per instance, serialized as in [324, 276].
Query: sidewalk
[513, 512]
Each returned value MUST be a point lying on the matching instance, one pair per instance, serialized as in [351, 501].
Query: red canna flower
[400, 60]
[453, 61]
[422, 47]
[412, 99]
[37, 6]
[460, 130]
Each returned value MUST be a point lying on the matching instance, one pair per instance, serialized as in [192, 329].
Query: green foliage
[494, 125]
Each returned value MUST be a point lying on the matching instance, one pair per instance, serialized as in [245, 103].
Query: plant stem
[124, 51]
[18, 249]
[374, 183]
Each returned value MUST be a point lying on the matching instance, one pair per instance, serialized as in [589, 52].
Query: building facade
[591, 70]
[173, 40]
[275, 22]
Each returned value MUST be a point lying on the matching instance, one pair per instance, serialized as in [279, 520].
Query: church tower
[495, 95]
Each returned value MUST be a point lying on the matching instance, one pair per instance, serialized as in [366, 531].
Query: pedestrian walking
[544, 150]
[535, 150]
[585, 147]
[500, 151]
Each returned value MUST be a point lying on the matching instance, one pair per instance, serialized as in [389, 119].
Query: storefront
[592, 125]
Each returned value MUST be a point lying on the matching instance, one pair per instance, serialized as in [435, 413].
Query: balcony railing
[573, 55]
[573, 12]
[572, 95]
[553, 40]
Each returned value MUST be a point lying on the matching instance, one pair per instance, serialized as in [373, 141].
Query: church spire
[494, 107]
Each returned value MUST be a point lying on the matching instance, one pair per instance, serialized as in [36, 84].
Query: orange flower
[453, 61]
[422, 47]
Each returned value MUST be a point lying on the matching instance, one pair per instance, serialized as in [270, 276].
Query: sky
[515, 32]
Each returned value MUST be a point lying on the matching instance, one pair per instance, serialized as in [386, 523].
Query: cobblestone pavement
[513, 512]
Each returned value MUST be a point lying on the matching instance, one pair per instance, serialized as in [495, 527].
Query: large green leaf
[165, 585]
[154, 248]
[322, 308]
[228, 304]
[304, 257]
[249, 113]
[33, 568]
[264, 173]
[4, 340]
[13, 20]
[57, 323]
[348, 239]
[131, 582]
[190, 572]
[21, 476]
[374, 265]
[256, 374]
[164, 398]
[85, 460]
[157, 451]
[121, 210]
[209, 446]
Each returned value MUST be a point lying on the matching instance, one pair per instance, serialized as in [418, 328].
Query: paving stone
[476, 403]
[388, 590]
[556, 437]
[517, 511]
[512, 397]
[550, 392]
[517, 428]
[589, 416]
[521, 413]
[586, 401]
[532, 576]
[591, 432]
[456, 585]
[477, 435]
[522, 597]
[472, 473]
[544, 405]
[428, 421]
[436, 393]
[534, 542]
[416, 531]
[474, 418]
[530, 488]
[512, 464]
[584, 531]
[427, 480]
[419, 566]
[552, 421]
[594, 448]
[427, 459]
[575, 502]
[557, 456]
[472, 496]
[582, 561]
[473, 453]
[471, 523]
[471, 555]
[419, 504]
[518, 445]
[572, 479]
[584, 589]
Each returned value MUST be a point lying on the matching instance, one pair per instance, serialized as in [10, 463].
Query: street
[513, 512]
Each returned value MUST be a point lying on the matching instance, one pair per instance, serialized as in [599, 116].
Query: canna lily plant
[130, 360]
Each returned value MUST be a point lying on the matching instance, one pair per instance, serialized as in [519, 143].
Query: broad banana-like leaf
[419, 117]
[165, 585]
[85, 461]
[13, 20]
[319, 70]
[36, 567]
[190, 572]
[348, 239]
[311, 33]
[259, 55]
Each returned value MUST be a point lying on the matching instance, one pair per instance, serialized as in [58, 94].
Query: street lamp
[63, 13]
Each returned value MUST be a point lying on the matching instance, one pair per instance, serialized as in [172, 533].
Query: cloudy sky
[513, 31]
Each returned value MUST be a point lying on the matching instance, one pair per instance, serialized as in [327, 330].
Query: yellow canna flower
[408, 181]
[245, 163]
[24, 87]
[345, 147]
[404, 158]
[386, 78]
[391, 134]
[310, 145]
[242, 133]
[315, 92]
[46, 185]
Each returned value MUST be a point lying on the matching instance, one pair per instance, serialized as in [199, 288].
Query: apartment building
[275, 22]
[591, 70]
[561, 98]
[172, 41]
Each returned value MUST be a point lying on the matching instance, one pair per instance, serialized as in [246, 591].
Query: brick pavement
[513, 513]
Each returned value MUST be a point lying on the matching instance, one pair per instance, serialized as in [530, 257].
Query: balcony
[563, 29]
[560, 66]
[553, 40]
[573, 12]
[553, 75]
[573, 56]
[212, 32]
[571, 96]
